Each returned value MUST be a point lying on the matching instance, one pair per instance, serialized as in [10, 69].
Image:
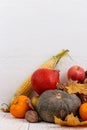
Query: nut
[32, 116]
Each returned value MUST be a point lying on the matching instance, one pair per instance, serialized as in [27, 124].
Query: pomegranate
[44, 79]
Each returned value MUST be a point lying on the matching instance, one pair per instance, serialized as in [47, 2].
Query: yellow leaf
[70, 120]
[77, 88]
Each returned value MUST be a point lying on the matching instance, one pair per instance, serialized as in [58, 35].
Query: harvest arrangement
[63, 103]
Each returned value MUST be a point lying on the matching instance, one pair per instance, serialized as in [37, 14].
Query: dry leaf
[71, 120]
[77, 88]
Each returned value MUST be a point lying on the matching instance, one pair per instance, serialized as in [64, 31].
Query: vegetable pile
[63, 103]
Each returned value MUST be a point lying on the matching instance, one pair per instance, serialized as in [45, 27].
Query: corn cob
[26, 87]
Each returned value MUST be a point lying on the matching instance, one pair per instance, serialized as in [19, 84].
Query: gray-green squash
[57, 103]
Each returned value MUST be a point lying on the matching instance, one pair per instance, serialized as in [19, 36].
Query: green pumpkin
[57, 103]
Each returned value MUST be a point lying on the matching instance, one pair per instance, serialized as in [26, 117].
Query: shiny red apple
[76, 72]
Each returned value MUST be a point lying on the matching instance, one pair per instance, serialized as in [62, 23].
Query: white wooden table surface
[8, 122]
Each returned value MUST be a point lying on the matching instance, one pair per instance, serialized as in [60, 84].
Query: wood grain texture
[8, 122]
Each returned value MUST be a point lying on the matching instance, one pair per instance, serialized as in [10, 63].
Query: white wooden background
[31, 31]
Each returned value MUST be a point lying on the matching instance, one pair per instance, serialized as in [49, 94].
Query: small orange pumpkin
[19, 106]
[83, 111]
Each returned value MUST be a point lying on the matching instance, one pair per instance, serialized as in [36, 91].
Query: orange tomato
[19, 106]
[83, 111]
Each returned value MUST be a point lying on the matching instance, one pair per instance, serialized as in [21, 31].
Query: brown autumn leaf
[70, 120]
[76, 88]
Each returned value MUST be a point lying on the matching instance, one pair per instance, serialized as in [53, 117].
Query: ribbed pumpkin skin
[58, 103]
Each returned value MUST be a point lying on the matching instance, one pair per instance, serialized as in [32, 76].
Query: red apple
[44, 79]
[76, 73]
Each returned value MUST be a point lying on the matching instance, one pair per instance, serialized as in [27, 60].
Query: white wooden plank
[11, 123]
[8, 122]
[45, 126]
[78, 128]
[50, 126]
